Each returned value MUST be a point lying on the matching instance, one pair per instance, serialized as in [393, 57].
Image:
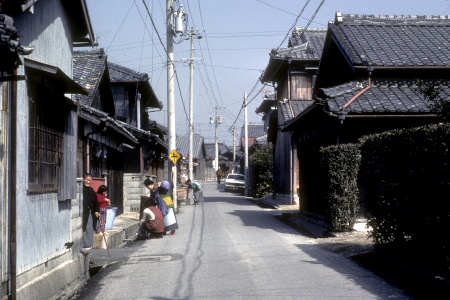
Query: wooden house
[116, 150]
[292, 71]
[198, 158]
[366, 83]
[40, 213]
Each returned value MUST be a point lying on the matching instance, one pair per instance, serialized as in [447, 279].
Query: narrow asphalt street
[230, 248]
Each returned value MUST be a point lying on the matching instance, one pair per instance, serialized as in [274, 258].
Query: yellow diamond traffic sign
[174, 156]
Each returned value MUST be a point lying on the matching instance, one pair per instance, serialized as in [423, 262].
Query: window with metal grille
[120, 100]
[45, 156]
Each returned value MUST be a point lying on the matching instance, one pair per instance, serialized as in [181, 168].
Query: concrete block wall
[133, 189]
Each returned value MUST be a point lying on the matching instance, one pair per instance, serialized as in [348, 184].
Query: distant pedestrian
[197, 190]
[153, 220]
[91, 212]
[170, 219]
[103, 203]
[219, 174]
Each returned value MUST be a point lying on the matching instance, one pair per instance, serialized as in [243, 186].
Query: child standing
[103, 202]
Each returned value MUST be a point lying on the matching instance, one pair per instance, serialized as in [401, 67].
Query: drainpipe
[12, 189]
[291, 162]
[291, 170]
[88, 147]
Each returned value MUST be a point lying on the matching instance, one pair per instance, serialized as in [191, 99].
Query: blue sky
[237, 39]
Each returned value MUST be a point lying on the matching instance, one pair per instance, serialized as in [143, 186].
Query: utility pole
[193, 35]
[217, 120]
[174, 23]
[234, 149]
[246, 143]
[171, 98]
[217, 141]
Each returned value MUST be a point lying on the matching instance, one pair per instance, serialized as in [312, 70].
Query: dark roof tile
[394, 40]
[384, 96]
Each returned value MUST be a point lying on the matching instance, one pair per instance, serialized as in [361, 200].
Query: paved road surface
[230, 248]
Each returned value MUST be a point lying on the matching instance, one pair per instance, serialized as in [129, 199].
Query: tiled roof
[88, 69]
[121, 74]
[97, 116]
[183, 145]
[386, 96]
[142, 134]
[254, 130]
[156, 127]
[305, 47]
[298, 106]
[394, 40]
[268, 102]
[303, 44]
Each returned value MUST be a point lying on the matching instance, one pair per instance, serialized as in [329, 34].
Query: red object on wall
[96, 183]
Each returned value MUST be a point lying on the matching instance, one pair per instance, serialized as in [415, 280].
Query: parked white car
[235, 182]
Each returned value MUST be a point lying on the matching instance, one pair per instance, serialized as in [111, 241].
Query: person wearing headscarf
[169, 219]
[153, 192]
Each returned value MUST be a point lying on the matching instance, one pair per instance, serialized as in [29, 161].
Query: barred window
[120, 100]
[46, 136]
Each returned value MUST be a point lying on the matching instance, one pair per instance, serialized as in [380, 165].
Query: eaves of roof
[68, 85]
[97, 117]
[142, 134]
[266, 105]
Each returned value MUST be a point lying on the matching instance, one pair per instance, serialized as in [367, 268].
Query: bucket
[110, 216]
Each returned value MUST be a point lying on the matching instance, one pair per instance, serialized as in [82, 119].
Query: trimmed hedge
[340, 165]
[261, 162]
[406, 175]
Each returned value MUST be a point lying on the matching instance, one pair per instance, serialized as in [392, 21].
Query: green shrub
[406, 175]
[261, 162]
[340, 166]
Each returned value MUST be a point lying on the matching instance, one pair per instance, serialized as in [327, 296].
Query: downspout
[291, 171]
[88, 148]
[291, 168]
[342, 113]
[139, 126]
[13, 188]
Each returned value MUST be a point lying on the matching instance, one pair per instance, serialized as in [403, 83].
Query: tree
[261, 162]
[432, 92]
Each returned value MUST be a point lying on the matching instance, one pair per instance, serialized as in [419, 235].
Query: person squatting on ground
[170, 219]
[91, 212]
[103, 203]
[197, 190]
[153, 220]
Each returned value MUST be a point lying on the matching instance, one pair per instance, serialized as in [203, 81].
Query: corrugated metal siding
[43, 222]
[68, 188]
[45, 29]
[3, 180]
[43, 227]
